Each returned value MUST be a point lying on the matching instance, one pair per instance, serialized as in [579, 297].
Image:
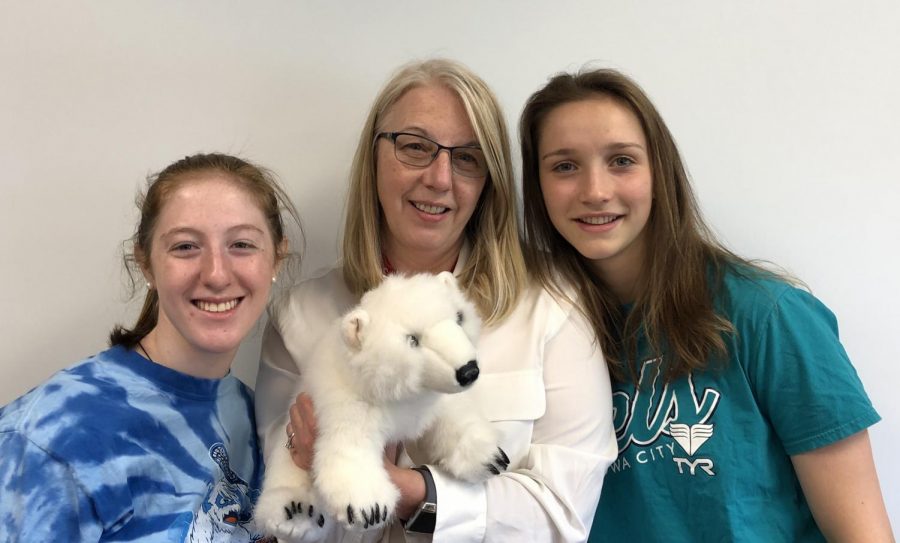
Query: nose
[215, 272]
[596, 186]
[467, 374]
[438, 175]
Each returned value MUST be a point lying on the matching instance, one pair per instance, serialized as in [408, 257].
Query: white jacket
[543, 383]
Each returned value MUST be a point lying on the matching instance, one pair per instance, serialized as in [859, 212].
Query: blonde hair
[494, 274]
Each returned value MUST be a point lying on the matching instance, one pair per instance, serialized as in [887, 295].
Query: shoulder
[302, 315]
[750, 291]
[755, 300]
[63, 414]
[541, 311]
[318, 299]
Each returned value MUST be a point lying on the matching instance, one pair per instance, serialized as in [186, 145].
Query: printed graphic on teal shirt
[653, 410]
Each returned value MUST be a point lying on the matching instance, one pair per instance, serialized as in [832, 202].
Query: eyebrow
[414, 129]
[618, 146]
[198, 233]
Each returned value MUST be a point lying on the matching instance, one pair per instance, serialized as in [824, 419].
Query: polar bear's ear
[447, 278]
[352, 327]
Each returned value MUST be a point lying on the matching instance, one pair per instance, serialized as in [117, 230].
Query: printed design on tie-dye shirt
[227, 507]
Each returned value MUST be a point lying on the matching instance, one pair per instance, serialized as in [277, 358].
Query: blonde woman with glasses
[431, 190]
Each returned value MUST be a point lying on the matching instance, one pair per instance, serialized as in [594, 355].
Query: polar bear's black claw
[501, 458]
[498, 463]
[321, 521]
[310, 510]
[295, 509]
[372, 516]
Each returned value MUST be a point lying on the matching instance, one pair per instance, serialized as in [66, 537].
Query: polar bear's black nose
[467, 374]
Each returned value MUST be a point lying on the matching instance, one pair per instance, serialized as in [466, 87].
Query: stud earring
[274, 279]
[149, 286]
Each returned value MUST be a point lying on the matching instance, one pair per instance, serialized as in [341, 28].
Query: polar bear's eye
[413, 340]
[459, 317]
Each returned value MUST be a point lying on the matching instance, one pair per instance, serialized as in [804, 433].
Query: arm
[841, 486]
[410, 482]
[296, 322]
[276, 384]
[810, 393]
[41, 500]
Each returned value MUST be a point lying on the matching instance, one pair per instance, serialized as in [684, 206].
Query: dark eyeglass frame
[392, 136]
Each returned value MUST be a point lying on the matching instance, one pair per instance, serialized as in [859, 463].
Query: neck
[179, 358]
[622, 273]
[407, 261]
[622, 287]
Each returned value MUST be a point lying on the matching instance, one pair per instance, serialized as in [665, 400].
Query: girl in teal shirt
[738, 414]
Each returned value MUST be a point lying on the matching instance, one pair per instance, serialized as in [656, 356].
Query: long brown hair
[256, 180]
[494, 274]
[684, 263]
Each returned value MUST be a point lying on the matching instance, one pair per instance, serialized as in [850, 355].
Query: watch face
[423, 520]
[425, 517]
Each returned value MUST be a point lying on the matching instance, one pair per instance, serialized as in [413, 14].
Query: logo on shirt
[654, 410]
[225, 512]
[691, 438]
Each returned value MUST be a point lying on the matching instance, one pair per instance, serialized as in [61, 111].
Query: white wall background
[787, 114]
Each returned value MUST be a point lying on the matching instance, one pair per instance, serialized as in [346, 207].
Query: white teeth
[217, 308]
[599, 220]
[433, 210]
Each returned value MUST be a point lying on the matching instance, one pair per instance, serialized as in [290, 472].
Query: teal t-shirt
[706, 458]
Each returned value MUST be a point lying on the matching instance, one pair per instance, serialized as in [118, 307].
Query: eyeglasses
[420, 151]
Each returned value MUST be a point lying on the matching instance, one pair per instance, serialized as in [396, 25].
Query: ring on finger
[290, 442]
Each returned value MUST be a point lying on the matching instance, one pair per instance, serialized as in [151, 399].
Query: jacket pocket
[511, 395]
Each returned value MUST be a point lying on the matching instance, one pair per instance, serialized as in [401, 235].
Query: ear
[141, 258]
[281, 252]
[353, 327]
[447, 278]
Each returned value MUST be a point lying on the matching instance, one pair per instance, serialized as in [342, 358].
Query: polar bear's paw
[364, 504]
[475, 462]
[290, 514]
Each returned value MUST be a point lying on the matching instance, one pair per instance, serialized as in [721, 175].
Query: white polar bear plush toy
[395, 367]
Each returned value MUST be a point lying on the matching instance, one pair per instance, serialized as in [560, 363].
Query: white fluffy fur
[384, 372]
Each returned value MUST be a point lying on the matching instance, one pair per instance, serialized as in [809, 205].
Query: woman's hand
[301, 431]
[410, 482]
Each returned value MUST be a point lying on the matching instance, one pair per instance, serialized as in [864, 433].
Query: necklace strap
[146, 353]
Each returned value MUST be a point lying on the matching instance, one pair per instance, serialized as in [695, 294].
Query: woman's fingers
[303, 428]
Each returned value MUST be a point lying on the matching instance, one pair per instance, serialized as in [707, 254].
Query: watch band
[425, 516]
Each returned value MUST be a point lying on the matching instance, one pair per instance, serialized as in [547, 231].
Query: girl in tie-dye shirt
[154, 439]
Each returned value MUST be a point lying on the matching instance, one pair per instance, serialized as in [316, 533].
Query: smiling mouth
[606, 219]
[430, 209]
[220, 307]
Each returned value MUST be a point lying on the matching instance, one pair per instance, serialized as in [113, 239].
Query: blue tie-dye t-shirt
[118, 448]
